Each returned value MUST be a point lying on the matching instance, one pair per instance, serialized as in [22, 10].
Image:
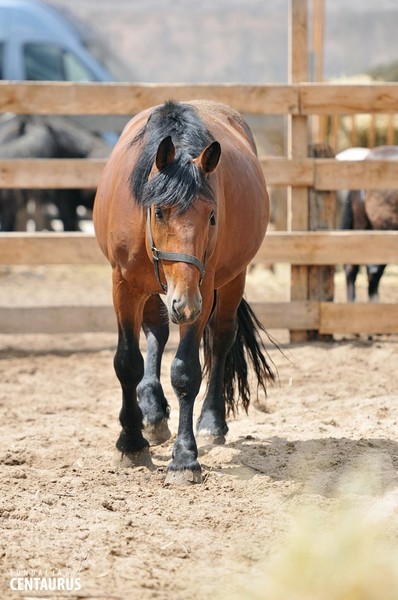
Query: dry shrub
[348, 551]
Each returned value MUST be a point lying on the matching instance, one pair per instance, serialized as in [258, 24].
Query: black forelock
[181, 182]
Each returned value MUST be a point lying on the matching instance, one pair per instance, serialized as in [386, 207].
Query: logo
[49, 580]
[41, 581]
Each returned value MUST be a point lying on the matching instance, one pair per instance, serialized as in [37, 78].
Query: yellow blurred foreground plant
[346, 551]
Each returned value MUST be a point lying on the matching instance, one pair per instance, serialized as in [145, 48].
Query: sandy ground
[64, 509]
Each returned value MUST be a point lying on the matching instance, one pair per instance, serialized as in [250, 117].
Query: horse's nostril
[176, 312]
[175, 306]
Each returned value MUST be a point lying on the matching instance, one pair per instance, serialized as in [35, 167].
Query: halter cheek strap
[158, 255]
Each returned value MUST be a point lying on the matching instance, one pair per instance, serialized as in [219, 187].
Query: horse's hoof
[186, 477]
[206, 438]
[157, 433]
[211, 429]
[127, 460]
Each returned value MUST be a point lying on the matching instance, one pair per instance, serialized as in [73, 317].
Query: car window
[47, 62]
[74, 69]
[43, 62]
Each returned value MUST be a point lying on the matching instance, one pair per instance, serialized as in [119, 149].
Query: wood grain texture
[327, 317]
[320, 174]
[64, 98]
[297, 248]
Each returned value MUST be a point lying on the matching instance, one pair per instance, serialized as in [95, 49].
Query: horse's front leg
[132, 447]
[152, 401]
[186, 377]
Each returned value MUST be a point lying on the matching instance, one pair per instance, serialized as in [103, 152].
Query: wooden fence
[298, 248]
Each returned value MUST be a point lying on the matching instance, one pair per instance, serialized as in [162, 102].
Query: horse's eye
[159, 214]
[212, 218]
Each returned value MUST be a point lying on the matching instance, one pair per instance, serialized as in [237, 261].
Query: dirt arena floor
[65, 511]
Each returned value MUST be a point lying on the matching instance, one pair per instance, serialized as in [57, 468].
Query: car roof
[38, 18]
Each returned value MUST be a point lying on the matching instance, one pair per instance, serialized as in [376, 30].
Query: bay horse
[370, 209]
[181, 209]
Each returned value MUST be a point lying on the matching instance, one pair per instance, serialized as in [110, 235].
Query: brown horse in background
[371, 209]
[182, 209]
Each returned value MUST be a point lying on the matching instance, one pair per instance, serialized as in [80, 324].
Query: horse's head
[180, 233]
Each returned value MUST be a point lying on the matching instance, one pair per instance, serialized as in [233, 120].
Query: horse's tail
[247, 349]
[354, 212]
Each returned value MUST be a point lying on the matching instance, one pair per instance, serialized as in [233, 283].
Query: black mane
[181, 182]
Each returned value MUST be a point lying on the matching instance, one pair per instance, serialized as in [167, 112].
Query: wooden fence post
[322, 217]
[298, 145]
[319, 122]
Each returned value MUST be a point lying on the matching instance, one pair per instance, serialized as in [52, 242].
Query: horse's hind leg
[374, 275]
[129, 368]
[222, 329]
[153, 404]
[351, 272]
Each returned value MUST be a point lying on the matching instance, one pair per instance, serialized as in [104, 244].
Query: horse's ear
[209, 158]
[166, 153]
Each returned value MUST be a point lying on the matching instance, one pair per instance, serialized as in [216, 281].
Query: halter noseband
[158, 255]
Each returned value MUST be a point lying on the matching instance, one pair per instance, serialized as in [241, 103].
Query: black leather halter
[158, 255]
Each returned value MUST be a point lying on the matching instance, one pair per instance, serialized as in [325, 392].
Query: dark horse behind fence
[26, 136]
[181, 209]
[371, 209]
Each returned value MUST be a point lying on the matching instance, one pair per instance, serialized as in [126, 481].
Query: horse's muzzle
[183, 311]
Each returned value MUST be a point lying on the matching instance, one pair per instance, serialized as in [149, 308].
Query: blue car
[39, 42]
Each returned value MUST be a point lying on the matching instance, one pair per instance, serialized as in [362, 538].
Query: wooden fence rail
[295, 248]
[319, 174]
[64, 98]
[324, 317]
